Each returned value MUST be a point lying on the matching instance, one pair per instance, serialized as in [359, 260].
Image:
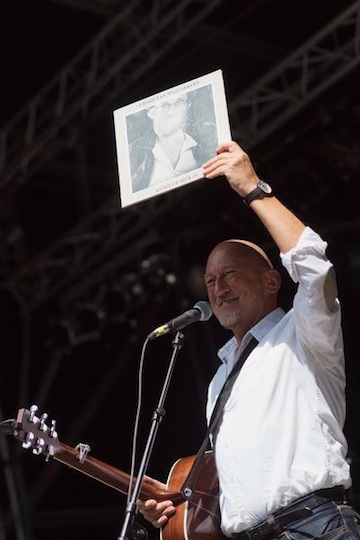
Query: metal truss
[128, 46]
[109, 235]
[282, 93]
[112, 236]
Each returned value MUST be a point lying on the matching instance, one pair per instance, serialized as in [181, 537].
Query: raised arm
[232, 162]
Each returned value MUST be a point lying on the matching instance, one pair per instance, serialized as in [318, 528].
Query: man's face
[169, 116]
[237, 288]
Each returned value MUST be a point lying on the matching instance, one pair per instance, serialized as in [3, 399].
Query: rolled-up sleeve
[316, 305]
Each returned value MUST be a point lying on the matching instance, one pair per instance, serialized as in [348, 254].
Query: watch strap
[257, 193]
[254, 194]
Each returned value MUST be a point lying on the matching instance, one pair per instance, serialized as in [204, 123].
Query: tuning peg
[53, 432]
[43, 419]
[40, 443]
[28, 441]
[33, 410]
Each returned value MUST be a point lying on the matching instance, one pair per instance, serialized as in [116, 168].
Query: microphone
[200, 312]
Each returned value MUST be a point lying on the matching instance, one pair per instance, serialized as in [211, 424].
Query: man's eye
[209, 282]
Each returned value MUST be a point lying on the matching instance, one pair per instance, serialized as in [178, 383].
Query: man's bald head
[247, 249]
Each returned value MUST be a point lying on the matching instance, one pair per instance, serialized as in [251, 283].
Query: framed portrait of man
[163, 140]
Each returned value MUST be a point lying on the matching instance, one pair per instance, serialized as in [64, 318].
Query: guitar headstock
[34, 432]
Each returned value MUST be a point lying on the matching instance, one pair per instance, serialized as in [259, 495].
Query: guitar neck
[111, 476]
[197, 519]
[34, 433]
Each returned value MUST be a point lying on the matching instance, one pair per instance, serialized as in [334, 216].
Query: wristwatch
[262, 190]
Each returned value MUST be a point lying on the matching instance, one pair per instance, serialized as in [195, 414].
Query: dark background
[83, 282]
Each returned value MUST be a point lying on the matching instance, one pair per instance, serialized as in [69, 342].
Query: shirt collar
[188, 143]
[231, 348]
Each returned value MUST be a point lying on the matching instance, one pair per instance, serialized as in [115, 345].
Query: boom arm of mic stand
[159, 412]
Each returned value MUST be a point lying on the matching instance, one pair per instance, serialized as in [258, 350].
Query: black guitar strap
[191, 480]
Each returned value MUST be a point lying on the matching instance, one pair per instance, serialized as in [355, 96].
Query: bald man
[280, 451]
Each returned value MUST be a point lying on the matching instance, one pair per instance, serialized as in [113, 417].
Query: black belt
[277, 522]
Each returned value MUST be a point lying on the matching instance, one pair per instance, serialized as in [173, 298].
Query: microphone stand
[158, 415]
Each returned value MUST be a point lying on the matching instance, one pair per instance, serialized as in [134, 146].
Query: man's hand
[158, 513]
[231, 161]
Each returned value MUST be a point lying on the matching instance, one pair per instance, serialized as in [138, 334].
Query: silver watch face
[265, 187]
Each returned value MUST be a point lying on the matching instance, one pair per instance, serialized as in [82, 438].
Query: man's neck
[241, 330]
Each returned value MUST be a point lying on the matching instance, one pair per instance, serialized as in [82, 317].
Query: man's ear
[272, 280]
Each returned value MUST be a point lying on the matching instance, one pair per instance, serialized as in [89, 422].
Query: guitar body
[198, 518]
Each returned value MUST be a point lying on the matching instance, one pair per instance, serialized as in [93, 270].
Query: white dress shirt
[281, 435]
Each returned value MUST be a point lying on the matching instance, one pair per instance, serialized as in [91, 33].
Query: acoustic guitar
[196, 517]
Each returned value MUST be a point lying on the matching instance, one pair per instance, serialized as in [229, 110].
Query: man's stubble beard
[229, 320]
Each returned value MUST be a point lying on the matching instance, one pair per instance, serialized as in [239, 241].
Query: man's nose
[221, 286]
